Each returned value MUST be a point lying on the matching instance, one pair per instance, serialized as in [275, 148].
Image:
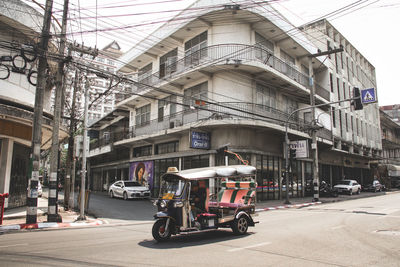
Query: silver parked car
[128, 189]
[348, 187]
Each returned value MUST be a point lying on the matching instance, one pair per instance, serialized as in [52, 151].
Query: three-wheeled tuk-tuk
[204, 199]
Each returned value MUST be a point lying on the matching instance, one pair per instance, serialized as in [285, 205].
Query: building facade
[20, 26]
[388, 167]
[233, 76]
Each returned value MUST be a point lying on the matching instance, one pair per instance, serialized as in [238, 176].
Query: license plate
[211, 223]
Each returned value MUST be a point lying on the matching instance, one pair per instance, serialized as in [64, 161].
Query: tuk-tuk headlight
[178, 204]
[163, 204]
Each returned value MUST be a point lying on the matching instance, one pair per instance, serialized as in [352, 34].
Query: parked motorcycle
[326, 190]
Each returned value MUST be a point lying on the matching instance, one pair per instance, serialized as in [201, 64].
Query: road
[359, 232]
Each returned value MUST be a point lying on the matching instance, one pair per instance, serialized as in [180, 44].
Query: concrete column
[212, 181]
[253, 160]
[6, 154]
[107, 179]
[303, 179]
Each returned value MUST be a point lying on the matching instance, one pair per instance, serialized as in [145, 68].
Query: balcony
[228, 54]
[214, 113]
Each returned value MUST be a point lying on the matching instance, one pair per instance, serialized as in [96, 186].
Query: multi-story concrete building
[19, 25]
[231, 75]
[393, 111]
[102, 101]
[389, 164]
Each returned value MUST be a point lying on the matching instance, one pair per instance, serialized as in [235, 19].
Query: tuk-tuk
[205, 199]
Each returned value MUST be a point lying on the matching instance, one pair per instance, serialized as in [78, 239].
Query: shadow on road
[193, 239]
[104, 207]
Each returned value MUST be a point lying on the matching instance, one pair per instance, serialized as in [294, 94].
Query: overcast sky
[372, 27]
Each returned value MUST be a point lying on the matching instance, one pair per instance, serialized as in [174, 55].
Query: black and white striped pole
[32, 198]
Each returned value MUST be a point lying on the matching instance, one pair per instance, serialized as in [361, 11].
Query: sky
[371, 27]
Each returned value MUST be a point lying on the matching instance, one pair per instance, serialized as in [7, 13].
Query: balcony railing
[226, 110]
[235, 54]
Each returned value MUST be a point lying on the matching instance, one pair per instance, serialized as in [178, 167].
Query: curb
[52, 225]
[289, 206]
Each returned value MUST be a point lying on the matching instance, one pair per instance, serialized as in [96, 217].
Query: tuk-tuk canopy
[215, 172]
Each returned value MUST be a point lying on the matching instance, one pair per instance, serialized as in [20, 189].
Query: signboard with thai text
[301, 147]
[200, 140]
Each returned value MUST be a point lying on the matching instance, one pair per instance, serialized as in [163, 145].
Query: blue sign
[368, 96]
[200, 140]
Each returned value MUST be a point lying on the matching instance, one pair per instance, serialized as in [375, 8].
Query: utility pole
[52, 214]
[31, 212]
[70, 187]
[83, 172]
[314, 143]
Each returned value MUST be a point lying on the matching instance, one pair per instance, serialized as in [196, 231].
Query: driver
[198, 196]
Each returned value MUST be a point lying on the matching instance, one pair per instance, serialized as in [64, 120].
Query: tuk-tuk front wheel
[159, 231]
[240, 225]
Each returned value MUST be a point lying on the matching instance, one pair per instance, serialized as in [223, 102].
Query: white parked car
[128, 189]
[348, 187]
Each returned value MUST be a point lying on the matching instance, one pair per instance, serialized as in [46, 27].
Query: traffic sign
[368, 96]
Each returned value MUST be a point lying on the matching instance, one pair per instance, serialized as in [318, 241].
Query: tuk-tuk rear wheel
[159, 231]
[239, 226]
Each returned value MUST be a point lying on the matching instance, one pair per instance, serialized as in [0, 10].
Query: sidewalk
[15, 218]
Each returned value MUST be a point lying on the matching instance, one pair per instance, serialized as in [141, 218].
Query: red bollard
[2, 197]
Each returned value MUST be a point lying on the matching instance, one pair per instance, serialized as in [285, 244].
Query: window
[142, 151]
[328, 47]
[265, 49]
[352, 124]
[334, 117]
[305, 70]
[168, 62]
[145, 71]
[307, 117]
[192, 95]
[347, 122]
[194, 49]
[287, 58]
[168, 147]
[196, 162]
[338, 89]
[142, 115]
[262, 42]
[290, 104]
[265, 96]
[341, 59]
[331, 81]
[166, 107]
[340, 123]
[357, 126]
[344, 90]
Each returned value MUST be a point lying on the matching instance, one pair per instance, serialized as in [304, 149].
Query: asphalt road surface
[361, 232]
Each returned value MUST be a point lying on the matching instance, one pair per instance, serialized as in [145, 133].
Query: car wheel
[111, 194]
[358, 191]
[125, 196]
[240, 226]
[159, 231]
[351, 192]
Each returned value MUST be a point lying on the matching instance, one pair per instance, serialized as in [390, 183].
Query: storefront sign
[301, 147]
[200, 140]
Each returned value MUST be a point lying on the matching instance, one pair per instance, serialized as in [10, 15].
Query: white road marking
[252, 246]
[14, 245]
